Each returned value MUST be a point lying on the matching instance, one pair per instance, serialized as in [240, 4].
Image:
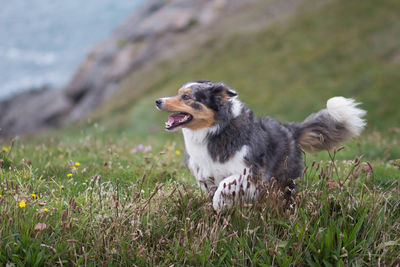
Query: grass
[120, 208]
[344, 48]
[125, 207]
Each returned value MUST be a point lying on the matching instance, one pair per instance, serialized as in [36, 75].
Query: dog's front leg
[233, 189]
[207, 185]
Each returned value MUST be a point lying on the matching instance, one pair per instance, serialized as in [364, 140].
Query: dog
[229, 150]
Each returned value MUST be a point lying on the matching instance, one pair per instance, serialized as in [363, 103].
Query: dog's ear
[224, 91]
[231, 93]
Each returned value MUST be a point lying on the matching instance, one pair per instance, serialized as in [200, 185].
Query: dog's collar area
[177, 119]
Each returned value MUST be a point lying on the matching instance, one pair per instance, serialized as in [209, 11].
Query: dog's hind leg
[234, 188]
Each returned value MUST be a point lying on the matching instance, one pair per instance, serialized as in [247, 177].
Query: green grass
[120, 208]
[144, 208]
[288, 70]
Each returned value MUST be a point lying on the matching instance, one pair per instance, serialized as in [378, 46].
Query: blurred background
[88, 173]
[43, 41]
[69, 64]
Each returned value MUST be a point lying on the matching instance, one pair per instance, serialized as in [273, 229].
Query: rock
[159, 31]
[136, 42]
[141, 39]
[175, 19]
[33, 110]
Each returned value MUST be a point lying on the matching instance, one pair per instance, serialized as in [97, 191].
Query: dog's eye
[185, 97]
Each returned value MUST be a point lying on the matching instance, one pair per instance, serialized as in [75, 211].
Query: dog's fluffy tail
[340, 121]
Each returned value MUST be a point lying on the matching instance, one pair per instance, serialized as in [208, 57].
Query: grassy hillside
[290, 69]
[112, 190]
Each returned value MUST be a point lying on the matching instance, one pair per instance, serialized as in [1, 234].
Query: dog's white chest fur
[201, 163]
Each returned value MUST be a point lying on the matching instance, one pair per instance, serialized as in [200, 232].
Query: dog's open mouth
[177, 119]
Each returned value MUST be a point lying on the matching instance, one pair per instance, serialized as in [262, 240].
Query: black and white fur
[222, 156]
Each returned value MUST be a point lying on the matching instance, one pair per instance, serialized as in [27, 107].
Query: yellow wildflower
[86, 181]
[69, 175]
[22, 204]
[177, 152]
[34, 196]
[77, 164]
[1, 195]
[5, 149]
[45, 209]
[73, 167]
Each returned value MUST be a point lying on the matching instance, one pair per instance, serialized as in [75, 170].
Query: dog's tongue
[174, 118]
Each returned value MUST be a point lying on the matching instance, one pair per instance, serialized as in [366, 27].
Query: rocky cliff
[159, 31]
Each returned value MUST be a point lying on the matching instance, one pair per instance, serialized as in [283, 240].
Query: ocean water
[42, 42]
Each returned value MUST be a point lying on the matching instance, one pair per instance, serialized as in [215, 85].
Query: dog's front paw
[228, 191]
[233, 189]
[223, 199]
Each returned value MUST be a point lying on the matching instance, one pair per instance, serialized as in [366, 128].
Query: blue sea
[42, 42]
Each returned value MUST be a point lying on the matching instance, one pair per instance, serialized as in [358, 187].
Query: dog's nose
[158, 102]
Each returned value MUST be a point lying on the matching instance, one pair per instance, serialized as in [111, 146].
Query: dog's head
[200, 104]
